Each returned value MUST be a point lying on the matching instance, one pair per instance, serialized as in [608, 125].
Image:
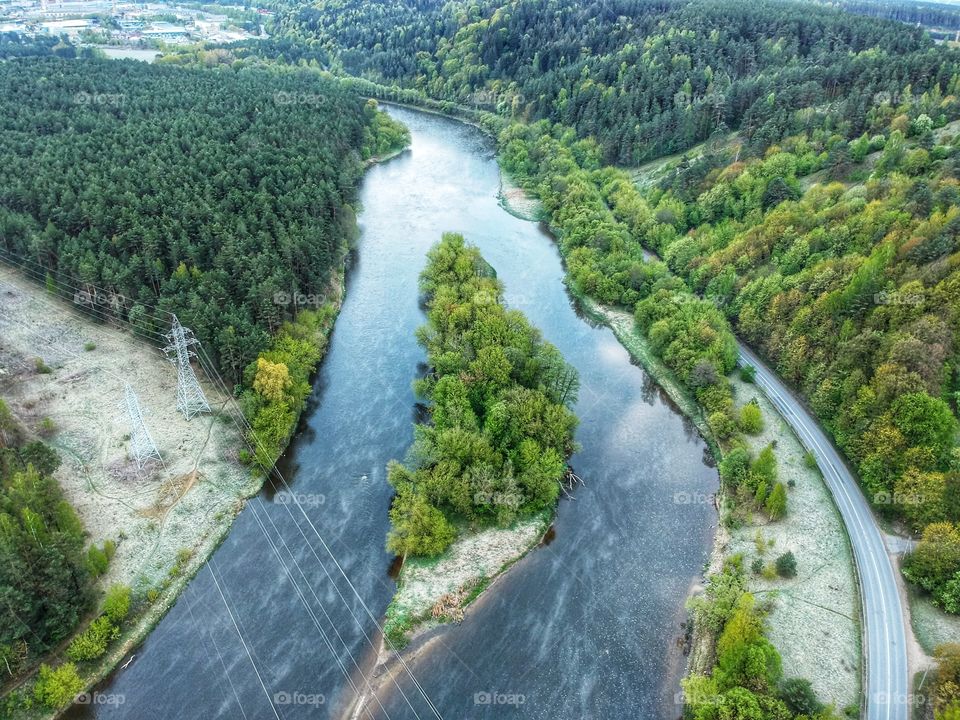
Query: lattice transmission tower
[141, 444]
[190, 398]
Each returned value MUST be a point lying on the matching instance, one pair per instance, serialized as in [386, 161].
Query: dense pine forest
[206, 193]
[643, 77]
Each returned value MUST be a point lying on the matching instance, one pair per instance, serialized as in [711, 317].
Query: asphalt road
[886, 680]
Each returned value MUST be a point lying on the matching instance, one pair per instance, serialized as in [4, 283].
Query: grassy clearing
[819, 608]
[932, 626]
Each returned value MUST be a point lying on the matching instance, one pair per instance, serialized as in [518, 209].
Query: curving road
[884, 642]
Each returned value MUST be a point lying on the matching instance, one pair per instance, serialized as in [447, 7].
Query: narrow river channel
[584, 627]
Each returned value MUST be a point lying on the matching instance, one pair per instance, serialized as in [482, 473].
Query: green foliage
[92, 642]
[946, 690]
[776, 502]
[746, 681]
[764, 468]
[382, 134]
[799, 696]
[97, 561]
[278, 382]
[715, 606]
[745, 657]
[57, 688]
[751, 419]
[89, 346]
[935, 565]
[116, 605]
[787, 565]
[501, 428]
[43, 575]
[417, 527]
[748, 373]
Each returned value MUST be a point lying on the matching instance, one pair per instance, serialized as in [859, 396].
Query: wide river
[283, 622]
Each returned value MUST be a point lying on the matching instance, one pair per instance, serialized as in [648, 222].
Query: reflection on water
[585, 626]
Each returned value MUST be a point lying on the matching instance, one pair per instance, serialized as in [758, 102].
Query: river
[583, 627]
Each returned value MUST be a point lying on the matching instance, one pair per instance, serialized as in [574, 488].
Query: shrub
[41, 367]
[97, 561]
[764, 468]
[751, 419]
[116, 605]
[722, 425]
[757, 566]
[787, 565]
[735, 466]
[776, 505]
[89, 346]
[799, 696]
[748, 373]
[92, 642]
[57, 688]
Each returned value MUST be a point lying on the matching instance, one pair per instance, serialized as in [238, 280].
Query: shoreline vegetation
[275, 386]
[482, 480]
[713, 413]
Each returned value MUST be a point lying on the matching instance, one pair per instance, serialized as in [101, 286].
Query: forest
[46, 578]
[500, 427]
[644, 78]
[213, 194]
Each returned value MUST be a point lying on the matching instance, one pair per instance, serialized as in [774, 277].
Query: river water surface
[584, 627]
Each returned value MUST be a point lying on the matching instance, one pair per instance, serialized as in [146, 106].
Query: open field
[819, 608]
[165, 516]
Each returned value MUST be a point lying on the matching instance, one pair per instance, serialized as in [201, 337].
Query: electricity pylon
[190, 398]
[141, 444]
